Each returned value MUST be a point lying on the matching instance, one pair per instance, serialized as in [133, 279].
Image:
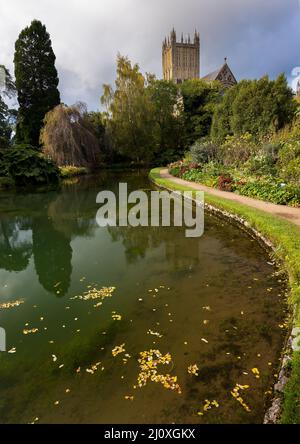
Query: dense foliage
[129, 112]
[168, 122]
[199, 101]
[36, 81]
[254, 106]
[254, 145]
[268, 170]
[68, 137]
[25, 165]
[143, 116]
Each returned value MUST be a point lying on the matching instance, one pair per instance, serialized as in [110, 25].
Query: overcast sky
[258, 36]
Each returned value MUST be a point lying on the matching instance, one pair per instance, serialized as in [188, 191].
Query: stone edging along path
[289, 213]
[286, 254]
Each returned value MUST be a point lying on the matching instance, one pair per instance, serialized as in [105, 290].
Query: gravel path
[289, 213]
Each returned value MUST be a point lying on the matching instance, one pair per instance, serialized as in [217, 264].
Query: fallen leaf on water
[208, 406]
[29, 332]
[118, 350]
[149, 361]
[54, 358]
[12, 350]
[236, 395]
[154, 333]
[8, 305]
[193, 370]
[256, 373]
[93, 368]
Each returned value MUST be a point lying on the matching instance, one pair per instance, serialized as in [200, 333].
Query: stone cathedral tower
[181, 60]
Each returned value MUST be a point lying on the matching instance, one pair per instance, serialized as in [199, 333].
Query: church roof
[215, 74]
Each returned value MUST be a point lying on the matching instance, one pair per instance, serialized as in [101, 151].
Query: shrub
[72, 171]
[214, 169]
[254, 106]
[225, 183]
[238, 149]
[260, 165]
[204, 152]
[6, 182]
[25, 165]
[289, 162]
[277, 193]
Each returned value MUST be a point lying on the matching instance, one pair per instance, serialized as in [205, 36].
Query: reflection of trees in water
[15, 251]
[52, 256]
[54, 218]
[136, 241]
[181, 253]
[73, 212]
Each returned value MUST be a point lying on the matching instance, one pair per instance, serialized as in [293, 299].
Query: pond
[131, 325]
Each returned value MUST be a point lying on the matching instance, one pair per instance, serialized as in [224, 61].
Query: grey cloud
[258, 36]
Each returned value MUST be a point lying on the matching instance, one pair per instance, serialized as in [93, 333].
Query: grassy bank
[285, 236]
[72, 171]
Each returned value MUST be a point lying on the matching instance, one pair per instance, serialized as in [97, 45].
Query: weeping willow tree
[68, 138]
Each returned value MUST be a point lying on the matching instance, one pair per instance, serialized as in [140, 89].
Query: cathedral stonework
[181, 60]
[223, 75]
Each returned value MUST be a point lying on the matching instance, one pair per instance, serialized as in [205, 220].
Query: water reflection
[52, 220]
[52, 254]
[15, 246]
[214, 302]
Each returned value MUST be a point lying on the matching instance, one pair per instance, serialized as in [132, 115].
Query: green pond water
[215, 302]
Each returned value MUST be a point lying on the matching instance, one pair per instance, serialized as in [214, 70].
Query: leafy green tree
[199, 101]
[36, 81]
[168, 119]
[257, 107]
[130, 112]
[223, 114]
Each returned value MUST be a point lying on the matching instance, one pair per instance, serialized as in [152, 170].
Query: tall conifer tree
[36, 81]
